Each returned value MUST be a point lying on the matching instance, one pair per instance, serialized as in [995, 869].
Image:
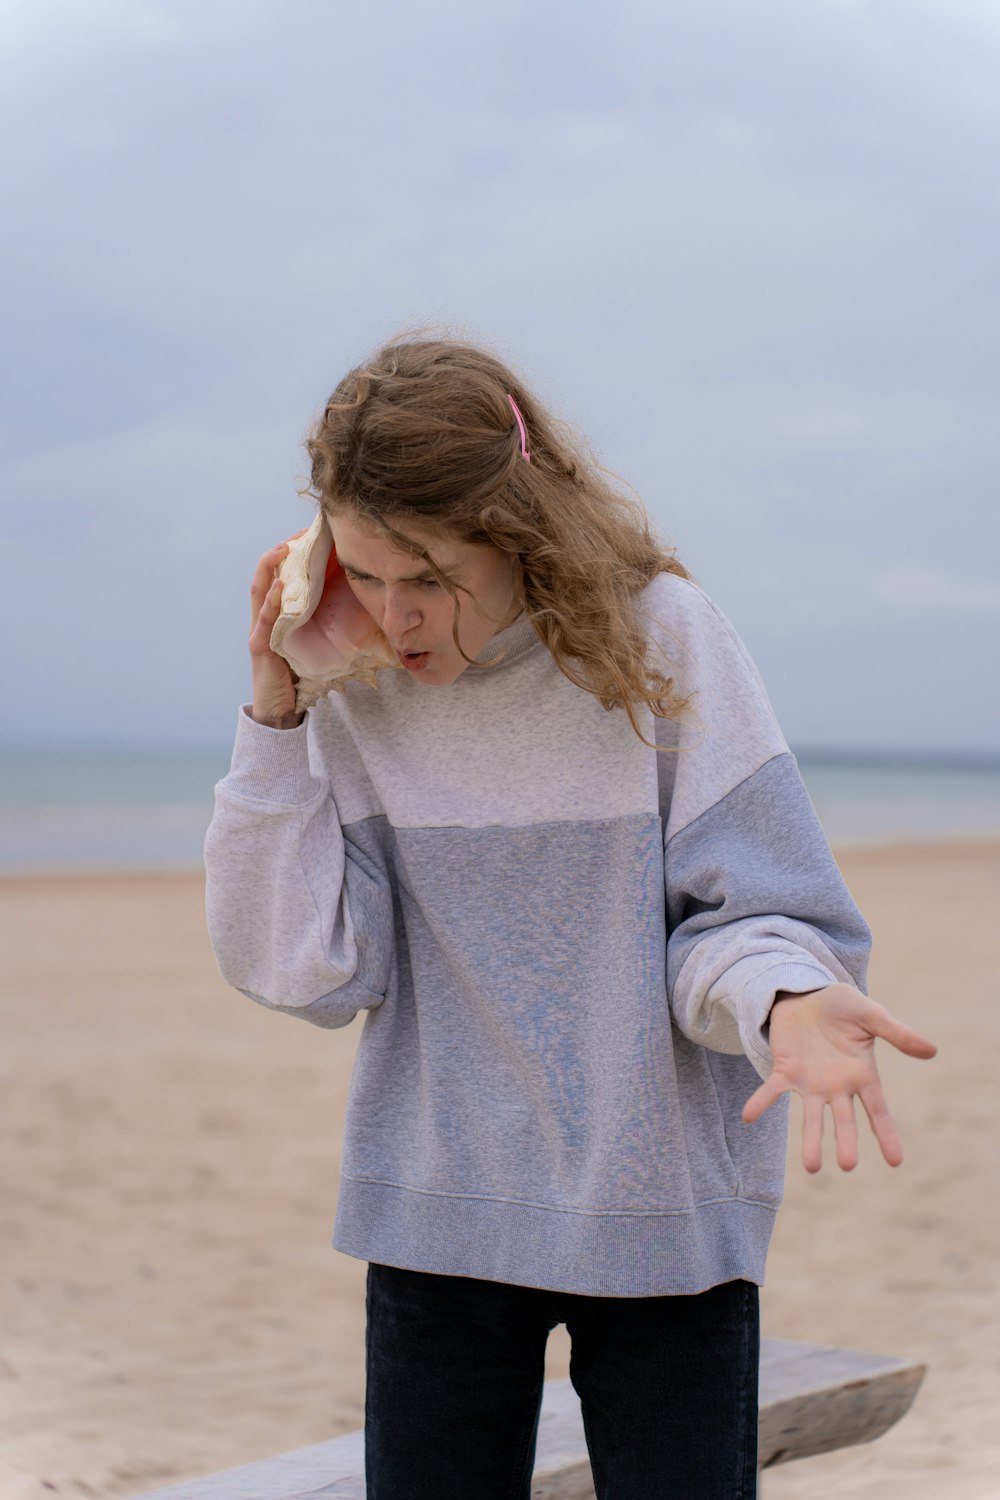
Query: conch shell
[323, 633]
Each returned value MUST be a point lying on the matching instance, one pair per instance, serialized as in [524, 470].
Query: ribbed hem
[271, 765]
[758, 998]
[595, 1254]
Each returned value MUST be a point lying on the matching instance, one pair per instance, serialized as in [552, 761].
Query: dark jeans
[668, 1388]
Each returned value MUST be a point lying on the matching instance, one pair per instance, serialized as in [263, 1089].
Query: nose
[400, 615]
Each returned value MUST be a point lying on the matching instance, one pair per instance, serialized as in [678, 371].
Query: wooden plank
[813, 1399]
[317, 1469]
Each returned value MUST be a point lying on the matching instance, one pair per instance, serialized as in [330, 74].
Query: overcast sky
[750, 247]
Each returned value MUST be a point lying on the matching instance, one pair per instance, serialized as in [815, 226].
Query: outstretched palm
[823, 1046]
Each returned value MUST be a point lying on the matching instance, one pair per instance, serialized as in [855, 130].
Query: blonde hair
[424, 431]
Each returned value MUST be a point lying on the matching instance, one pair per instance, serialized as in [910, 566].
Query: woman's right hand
[273, 679]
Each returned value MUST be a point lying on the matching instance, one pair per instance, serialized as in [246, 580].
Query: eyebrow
[413, 578]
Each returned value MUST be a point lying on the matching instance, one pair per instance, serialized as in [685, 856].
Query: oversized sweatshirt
[565, 946]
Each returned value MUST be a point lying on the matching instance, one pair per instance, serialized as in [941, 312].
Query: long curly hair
[424, 431]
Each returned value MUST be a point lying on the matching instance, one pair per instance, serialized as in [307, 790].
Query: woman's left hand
[823, 1045]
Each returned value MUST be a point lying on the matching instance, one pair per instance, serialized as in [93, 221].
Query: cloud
[920, 587]
[749, 249]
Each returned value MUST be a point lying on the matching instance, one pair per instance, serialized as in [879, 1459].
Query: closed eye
[426, 583]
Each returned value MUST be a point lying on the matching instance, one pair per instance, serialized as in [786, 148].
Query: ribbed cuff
[271, 765]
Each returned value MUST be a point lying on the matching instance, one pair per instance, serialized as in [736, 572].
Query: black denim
[668, 1388]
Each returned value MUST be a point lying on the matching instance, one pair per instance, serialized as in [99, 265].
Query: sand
[170, 1302]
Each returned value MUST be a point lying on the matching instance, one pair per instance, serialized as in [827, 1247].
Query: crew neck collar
[506, 646]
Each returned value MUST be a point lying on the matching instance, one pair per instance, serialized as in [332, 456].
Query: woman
[565, 864]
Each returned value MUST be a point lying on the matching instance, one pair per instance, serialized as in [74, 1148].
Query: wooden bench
[812, 1399]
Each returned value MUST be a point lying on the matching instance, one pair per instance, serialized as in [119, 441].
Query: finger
[264, 576]
[769, 1091]
[812, 1133]
[846, 1130]
[882, 1024]
[268, 564]
[270, 608]
[882, 1123]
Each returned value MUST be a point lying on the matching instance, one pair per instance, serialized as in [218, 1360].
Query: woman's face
[411, 608]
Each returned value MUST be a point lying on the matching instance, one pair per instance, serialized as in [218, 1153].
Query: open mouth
[413, 661]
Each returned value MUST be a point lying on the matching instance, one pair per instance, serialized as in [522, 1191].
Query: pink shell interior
[338, 630]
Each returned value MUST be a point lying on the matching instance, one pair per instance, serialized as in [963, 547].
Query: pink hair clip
[521, 427]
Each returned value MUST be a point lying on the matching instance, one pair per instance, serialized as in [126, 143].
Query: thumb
[903, 1038]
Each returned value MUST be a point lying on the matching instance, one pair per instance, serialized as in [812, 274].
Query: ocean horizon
[93, 808]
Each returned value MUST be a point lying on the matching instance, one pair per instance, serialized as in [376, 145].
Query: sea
[115, 809]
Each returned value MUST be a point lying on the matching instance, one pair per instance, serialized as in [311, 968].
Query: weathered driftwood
[812, 1399]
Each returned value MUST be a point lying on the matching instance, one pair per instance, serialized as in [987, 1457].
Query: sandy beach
[170, 1301]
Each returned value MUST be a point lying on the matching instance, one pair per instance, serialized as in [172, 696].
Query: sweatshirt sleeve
[755, 901]
[299, 918]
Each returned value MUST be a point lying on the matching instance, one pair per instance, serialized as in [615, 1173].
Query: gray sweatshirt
[565, 946]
